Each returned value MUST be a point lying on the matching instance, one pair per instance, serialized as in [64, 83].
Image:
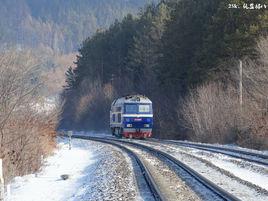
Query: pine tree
[144, 54]
[70, 79]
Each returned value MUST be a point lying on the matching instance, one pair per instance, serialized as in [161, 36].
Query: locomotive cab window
[130, 109]
[119, 118]
[144, 108]
[138, 108]
[113, 117]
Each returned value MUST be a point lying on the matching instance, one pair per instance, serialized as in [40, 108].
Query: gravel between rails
[172, 187]
[248, 173]
[143, 192]
[242, 190]
[253, 174]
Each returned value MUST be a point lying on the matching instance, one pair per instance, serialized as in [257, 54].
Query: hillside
[58, 24]
[184, 56]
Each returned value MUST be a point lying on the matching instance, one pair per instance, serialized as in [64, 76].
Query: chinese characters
[248, 6]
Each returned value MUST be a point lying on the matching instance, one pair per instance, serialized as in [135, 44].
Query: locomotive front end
[137, 120]
[132, 117]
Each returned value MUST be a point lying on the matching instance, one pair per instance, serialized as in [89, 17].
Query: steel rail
[221, 193]
[245, 155]
[157, 194]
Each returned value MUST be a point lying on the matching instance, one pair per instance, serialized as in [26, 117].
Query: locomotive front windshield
[138, 108]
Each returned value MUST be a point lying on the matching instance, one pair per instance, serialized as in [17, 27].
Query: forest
[60, 25]
[184, 55]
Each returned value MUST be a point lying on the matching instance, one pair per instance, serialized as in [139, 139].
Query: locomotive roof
[132, 99]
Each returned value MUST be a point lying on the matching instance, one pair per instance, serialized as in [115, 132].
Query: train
[131, 116]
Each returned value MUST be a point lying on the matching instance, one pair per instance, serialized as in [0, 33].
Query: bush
[212, 112]
[27, 131]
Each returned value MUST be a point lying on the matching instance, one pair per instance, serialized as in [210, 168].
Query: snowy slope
[97, 172]
[48, 185]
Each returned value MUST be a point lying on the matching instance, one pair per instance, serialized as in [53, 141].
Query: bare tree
[256, 74]
[16, 84]
[212, 112]
[255, 108]
[26, 131]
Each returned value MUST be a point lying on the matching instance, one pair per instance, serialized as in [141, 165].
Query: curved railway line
[259, 158]
[212, 187]
[145, 172]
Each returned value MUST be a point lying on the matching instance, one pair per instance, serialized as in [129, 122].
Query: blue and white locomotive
[132, 117]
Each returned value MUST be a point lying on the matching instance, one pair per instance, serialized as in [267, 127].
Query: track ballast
[261, 159]
[145, 172]
[218, 191]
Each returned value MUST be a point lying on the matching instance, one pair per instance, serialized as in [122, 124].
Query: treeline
[169, 52]
[58, 24]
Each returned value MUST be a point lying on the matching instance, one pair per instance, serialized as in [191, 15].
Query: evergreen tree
[70, 79]
[144, 53]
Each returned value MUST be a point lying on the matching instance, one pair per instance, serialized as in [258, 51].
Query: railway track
[145, 172]
[216, 190]
[261, 159]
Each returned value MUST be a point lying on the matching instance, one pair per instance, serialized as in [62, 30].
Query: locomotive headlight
[146, 125]
[129, 125]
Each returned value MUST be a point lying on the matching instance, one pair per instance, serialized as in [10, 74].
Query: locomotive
[132, 117]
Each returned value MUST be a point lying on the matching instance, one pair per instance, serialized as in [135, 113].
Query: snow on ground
[173, 185]
[231, 146]
[247, 171]
[217, 174]
[255, 174]
[46, 105]
[93, 134]
[97, 172]
[47, 184]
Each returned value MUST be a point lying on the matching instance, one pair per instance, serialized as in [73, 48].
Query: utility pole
[241, 83]
[2, 187]
[70, 133]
